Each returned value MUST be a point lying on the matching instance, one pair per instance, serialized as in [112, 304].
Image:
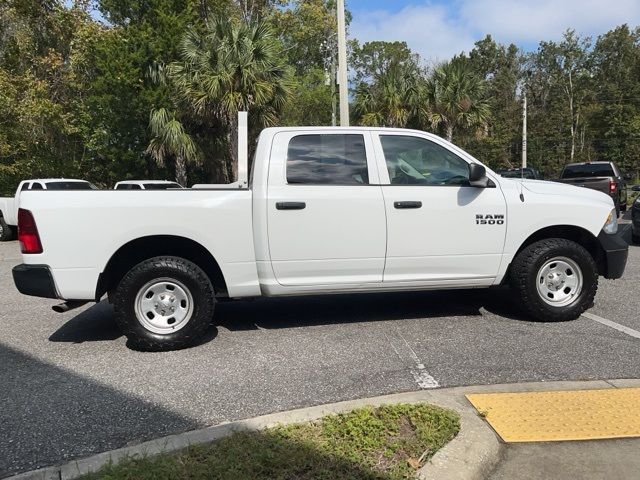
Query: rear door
[325, 211]
[439, 228]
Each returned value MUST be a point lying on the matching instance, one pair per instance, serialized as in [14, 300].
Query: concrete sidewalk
[475, 453]
[588, 460]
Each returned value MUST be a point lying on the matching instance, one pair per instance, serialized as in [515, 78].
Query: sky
[439, 29]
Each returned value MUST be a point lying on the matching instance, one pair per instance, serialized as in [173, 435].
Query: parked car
[605, 177]
[327, 210]
[527, 172]
[146, 185]
[635, 216]
[9, 205]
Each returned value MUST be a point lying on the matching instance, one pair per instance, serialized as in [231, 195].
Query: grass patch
[384, 443]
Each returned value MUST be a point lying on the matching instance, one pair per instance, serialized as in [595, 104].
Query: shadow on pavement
[94, 324]
[293, 312]
[97, 323]
[50, 415]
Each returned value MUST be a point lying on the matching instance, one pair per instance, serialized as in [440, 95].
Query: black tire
[524, 279]
[635, 238]
[6, 232]
[186, 273]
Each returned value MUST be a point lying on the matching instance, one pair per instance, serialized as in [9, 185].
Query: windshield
[161, 186]
[71, 186]
[588, 170]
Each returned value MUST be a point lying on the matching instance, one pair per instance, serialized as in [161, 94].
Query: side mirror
[478, 176]
[635, 188]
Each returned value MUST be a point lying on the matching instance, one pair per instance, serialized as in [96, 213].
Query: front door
[326, 216]
[440, 229]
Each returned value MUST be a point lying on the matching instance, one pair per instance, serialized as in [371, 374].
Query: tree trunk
[573, 119]
[449, 132]
[181, 171]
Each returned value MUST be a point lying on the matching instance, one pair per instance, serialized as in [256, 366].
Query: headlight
[611, 225]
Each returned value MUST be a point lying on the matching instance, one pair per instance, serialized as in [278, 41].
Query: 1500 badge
[489, 219]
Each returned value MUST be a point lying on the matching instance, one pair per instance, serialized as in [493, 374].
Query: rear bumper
[616, 249]
[35, 280]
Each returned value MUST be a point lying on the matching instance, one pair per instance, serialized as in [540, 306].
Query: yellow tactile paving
[561, 415]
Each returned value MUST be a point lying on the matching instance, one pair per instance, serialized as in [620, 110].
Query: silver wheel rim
[164, 306]
[559, 282]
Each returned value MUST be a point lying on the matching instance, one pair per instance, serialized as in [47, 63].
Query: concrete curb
[471, 455]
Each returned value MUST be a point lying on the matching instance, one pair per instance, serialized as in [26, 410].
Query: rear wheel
[554, 279]
[164, 303]
[6, 232]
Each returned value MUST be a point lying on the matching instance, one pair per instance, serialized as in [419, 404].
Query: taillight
[28, 233]
[612, 186]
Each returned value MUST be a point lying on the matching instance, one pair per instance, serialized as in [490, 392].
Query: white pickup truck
[325, 210]
[9, 206]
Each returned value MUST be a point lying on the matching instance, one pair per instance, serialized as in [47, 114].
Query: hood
[545, 187]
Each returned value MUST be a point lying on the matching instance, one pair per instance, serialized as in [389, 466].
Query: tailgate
[595, 183]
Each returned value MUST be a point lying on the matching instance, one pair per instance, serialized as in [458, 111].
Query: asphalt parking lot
[71, 387]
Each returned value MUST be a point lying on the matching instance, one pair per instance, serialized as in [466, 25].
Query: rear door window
[327, 159]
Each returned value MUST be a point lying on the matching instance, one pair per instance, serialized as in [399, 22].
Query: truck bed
[81, 230]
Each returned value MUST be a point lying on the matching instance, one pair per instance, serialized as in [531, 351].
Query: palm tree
[392, 100]
[229, 66]
[170, 140]
[455, 98]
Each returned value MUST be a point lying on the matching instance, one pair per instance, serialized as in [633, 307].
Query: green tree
[394, 99]
[500, 67]
[389, 84]
[455, 98]
[170, 140]
[615, 116]
[42, 78]
[229, 66]
[307, 30]
[372, 60]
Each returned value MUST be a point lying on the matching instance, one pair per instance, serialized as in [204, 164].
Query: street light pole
[343, 86]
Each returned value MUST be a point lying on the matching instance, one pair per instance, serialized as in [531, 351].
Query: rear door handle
[290, 205]
[407, 204]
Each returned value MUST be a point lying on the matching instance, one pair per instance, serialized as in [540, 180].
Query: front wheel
[164, 303]
[555, 279]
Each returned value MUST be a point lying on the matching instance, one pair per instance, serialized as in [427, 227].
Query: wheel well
[136, 251]
[570, 232]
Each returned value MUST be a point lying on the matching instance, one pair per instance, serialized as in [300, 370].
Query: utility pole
[334, 112]
[524, 128]
[343, 86]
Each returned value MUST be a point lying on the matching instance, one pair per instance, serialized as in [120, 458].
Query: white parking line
[419, 372]
[609, 323]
